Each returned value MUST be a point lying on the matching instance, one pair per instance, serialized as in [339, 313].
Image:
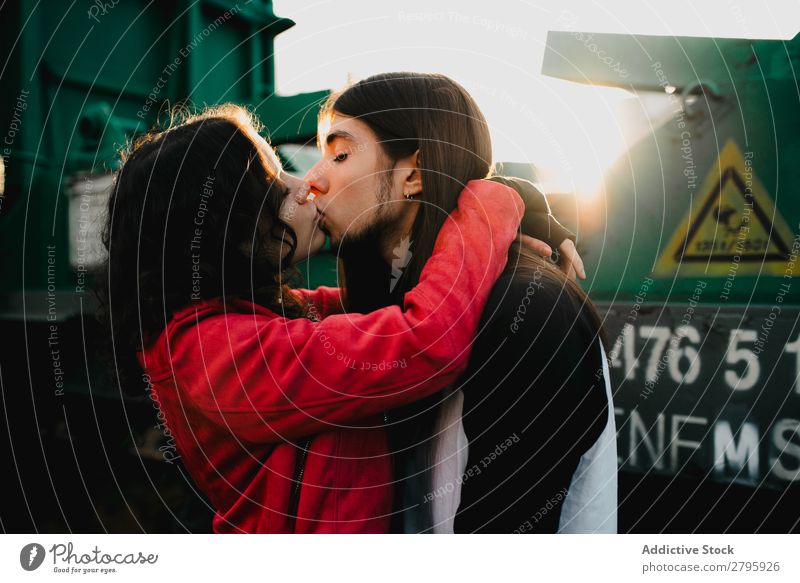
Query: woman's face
[302, 218]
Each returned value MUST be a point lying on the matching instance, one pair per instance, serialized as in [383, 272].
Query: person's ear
[411, 175]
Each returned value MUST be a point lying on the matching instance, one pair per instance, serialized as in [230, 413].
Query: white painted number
[674, 351]
[662, 336]
[794, 347]
[690, 353]
[658, 359]
[735, 355]
[626, 343]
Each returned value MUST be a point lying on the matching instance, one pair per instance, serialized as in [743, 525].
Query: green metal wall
[79, 82]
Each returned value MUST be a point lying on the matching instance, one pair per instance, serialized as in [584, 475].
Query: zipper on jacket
[294, 498]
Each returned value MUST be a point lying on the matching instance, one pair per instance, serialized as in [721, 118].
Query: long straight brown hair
[409, 112]
[437, 116]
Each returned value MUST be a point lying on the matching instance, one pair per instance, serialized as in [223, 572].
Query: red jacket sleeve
[325, 300]
[269, 378]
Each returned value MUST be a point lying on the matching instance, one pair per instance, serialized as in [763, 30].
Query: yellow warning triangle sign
[734, 226]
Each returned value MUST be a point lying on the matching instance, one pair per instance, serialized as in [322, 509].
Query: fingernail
[302, 192]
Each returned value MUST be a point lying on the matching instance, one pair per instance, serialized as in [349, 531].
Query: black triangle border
[731, 173]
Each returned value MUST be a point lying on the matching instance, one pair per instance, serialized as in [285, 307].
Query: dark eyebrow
[338, 135]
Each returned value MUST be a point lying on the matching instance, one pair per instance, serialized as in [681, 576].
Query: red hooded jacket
[279, 421]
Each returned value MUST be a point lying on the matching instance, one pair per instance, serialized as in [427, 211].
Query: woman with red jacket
[274, 401]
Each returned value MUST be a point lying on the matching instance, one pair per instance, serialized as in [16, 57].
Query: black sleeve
[537, 222]
[535, 402]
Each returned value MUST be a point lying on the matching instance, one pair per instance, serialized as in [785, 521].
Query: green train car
[78, 84]
[692, 255]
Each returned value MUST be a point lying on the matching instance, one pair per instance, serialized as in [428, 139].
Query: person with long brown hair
[532, 417]
[275, 399]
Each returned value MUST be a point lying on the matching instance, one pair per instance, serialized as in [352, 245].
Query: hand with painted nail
[570, 261]
[536, 245]
[304, 193]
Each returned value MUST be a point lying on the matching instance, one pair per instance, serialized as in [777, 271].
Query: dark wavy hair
[193, 215]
